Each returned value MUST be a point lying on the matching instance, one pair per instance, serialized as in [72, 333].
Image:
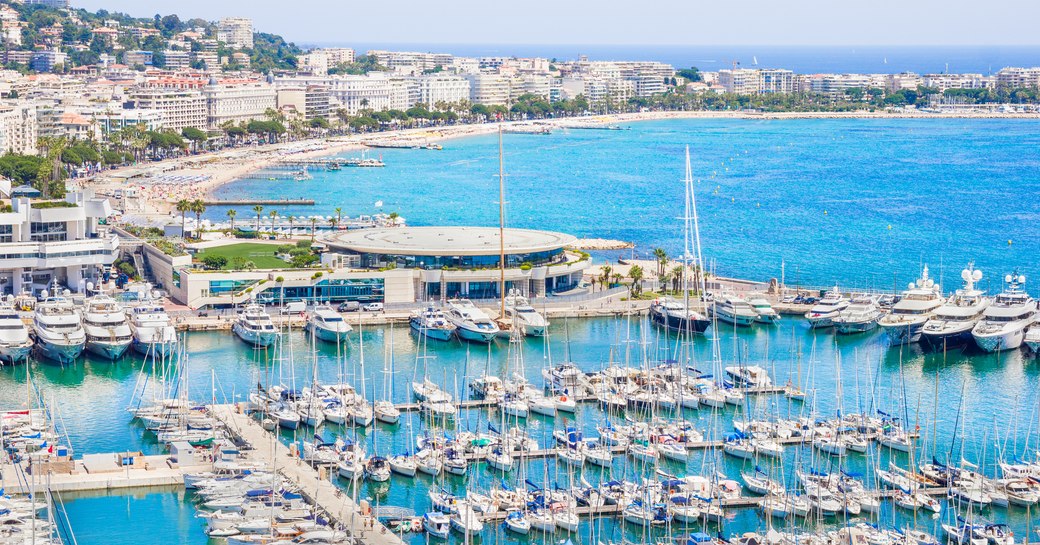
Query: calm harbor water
[1000, 399]
[859, 202]
[862, 203]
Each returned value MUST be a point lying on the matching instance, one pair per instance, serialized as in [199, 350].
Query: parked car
[349, 306]
[372, 307]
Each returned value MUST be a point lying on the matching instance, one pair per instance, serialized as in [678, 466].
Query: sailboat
[384, 409]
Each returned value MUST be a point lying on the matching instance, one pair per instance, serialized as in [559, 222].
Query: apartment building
[318, 61]
[741, 81]
[179, 108]
[177, 60]
[46, 60]
[236, 32]
[411, 62]
[943, 82]
[18, 128]
[489, 89]
[238, 103]
[309, 102]
[375, 91]
[434, 88]
[1018, 77]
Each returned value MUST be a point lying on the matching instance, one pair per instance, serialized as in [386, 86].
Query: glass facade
[50, 231]
[463, 262]
[338, 290]
[220, 287]
[6, 233]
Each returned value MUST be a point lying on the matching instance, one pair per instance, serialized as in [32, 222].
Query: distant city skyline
[662, 22]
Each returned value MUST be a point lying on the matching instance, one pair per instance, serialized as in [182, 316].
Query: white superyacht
[471, 323]
[106, 326]
[823, 313]
[952, 324]
[518, 308]
[327, 325]
[432, 323]
[732, 309]
[1003, 325]
[15, 343]
[153, 333]
[904, 323]
[766, 313]
[859, 317]
[253, 325]
[57, 330]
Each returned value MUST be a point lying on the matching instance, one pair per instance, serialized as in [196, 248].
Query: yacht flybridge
[254, 326]
[471, 323]
[108, 331]
[15, 343]
[57, 330]
[519, 311]
[327, 325]
[1003, 325]
[823, 313]
[920, 300]
[952, 323]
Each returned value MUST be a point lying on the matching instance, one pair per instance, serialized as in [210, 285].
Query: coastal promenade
[313, 484]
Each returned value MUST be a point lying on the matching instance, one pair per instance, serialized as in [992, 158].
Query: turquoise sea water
[1000, 403]
[818, 195]
[860, 202]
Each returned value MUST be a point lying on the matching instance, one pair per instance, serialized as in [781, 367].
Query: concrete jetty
[99, 472]
[326, 496]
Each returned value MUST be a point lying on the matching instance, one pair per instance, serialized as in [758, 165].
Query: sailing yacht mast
[501, 227]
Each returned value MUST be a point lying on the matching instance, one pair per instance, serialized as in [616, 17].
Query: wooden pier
[90, 475]
[315, 486]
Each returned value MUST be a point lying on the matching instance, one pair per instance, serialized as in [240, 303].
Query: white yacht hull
[734, 319]
[112, 350]
[435, 333]
[899, 334]
[61, 353]
[15, 353]
[849, 328]
[255, 338]
[1003, 340]
[476, 336]
[154, 348]
[324, 333]
[821, 321]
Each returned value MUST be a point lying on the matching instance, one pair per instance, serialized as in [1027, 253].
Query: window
[6, 233]
[51, 231]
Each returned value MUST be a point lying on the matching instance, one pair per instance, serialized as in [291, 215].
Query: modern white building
[489, 89]
[375, 91]
[180, 108]
[434, 88]
[1018, 77]
[236, 32]
[46, 241]
[19, 129]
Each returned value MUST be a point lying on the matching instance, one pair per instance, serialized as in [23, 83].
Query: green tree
[635, 272]
[195, 136]
[231, 213]
[259, 210]
[183, 206]
[198, 207]
[662, 260]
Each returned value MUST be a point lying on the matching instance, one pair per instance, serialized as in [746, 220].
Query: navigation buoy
[731, 199]
[824, 212]
[758, 205]
[1009, 242]
[890, 227]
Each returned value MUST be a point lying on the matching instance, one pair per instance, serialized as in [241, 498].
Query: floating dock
[327, 498]
[248, 202]
[99, 472]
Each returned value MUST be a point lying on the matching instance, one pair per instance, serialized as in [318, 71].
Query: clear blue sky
[679, 22]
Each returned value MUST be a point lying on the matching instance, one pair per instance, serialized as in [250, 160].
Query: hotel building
[46, 241]
[236, 32]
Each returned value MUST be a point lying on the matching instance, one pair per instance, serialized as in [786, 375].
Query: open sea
[862, 203]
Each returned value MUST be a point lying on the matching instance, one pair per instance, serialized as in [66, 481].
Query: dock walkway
[325, 495]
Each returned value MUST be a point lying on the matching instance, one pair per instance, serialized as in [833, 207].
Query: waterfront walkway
[314, 484]
[91, 476]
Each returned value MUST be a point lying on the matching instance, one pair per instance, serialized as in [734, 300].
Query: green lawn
[260, 254]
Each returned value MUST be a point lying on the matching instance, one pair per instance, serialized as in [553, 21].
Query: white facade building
[236, 32]
[238, 103]
[18, 128]
[489, 89]
[39, 245]
[180, 108]
[436, 88]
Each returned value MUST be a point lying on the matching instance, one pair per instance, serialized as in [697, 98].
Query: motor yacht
[1003, 324]
[732, 309]
[952, 323]
[107, 329]
[253, 325]
[766, 313]
[673, 315]
[471, 323]
[433, 324]
[1032, 339]
[327, 325]
[904, 323]
[15, 343]
[153, 332]
[823, 313]
[859, 317]
[520, 312]
[57, 330]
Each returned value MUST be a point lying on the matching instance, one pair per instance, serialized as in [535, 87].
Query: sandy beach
[159, 185]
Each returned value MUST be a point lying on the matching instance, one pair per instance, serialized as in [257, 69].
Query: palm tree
[198, 207]
[666, 278]
[274, 219]
[636, 274]
[604, 277]
[259, 210]
[393, 217]
[314, 224]
[677, 277]
[231, 213]
[339, 215]
[183, 206]
[617, 278]
[662, 260]
[291, 219]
